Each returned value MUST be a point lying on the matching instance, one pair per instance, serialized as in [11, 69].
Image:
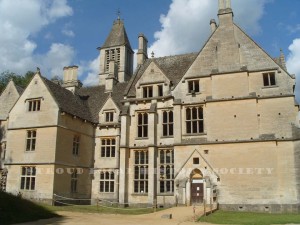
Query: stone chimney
[213, 25]
[112, 77]
[282, 60]
[142, 54]
[225, 12]
[70, 81]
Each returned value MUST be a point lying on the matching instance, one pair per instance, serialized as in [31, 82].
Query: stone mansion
[219, 125]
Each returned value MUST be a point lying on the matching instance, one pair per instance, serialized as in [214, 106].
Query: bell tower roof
[117, 35]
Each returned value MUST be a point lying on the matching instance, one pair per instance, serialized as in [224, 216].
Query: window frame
[142, 125]
[76, 145]
[193, 86]
[166, 164]
[74, 181]
[141, 171]
[167, 123]
[160, 90]
[109, 116]
[31, 137]
[269, 79]
[34, 105]
[108, 147]
[107, 182]
[28, 178]
[147, 91]
[194, 125]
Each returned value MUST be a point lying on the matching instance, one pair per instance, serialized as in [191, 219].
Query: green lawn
[16, 210]
[244, 218]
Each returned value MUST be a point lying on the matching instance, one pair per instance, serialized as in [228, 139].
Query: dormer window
[148, 92]
[109, 117]
[269, 79]
[160, 90]
[34, 105]
[193, 86]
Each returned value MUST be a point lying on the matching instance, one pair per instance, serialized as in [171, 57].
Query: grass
[14, 209]
[245, 218]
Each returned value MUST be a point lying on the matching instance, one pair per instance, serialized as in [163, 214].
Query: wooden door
[197, 193]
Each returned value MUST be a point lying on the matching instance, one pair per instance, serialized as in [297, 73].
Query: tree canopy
[19, 80]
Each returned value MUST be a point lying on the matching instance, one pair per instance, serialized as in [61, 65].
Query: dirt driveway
[181, 216]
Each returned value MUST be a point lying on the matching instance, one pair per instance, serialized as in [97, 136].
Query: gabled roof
[96, 98]
[68, 102]
[117, 36]
[174, 67]
[8, 98]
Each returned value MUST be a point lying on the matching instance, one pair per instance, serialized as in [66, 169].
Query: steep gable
[8, 98]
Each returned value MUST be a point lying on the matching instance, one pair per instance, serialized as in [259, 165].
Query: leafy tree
[19, 80]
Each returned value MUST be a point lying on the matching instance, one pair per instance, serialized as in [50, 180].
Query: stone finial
[213, 25]
[282, 59]
[152, 54]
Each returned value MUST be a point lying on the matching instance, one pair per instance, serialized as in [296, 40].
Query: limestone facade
[217, 126]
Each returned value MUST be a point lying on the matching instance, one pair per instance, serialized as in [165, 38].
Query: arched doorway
[197, 187]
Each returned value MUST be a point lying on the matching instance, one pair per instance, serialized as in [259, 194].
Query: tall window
[31, 140]
[269, 79]
[160, 90]
[76, 143]
[74, 180]
[148, 92]
[166, 178]
[34, 105]
[168, 123]
[194, 120]
[142, 125]
[109, 116]
[107, 182]
[141, 171]
[28, 178]
[194, 86]
[108, 147]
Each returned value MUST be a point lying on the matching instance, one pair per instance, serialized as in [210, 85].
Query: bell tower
[116, 48]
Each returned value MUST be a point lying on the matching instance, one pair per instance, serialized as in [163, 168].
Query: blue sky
[52, 34]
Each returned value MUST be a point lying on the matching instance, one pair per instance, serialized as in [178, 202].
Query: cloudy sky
[51, 34]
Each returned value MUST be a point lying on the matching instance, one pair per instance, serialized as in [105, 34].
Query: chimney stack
[142, 54]
[112, 77]
[70, 81]
[213, 25]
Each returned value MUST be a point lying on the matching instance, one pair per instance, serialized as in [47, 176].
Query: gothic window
[148, 92]
[112, 54]
[141, 171]
[109, 116]
[31, 140]
[118, 57]
[107, 60]
[107, 182]
[142, 125]
[269, 79]
[194, 120]
[28, 175]
[74, 181]
[168, 123]
[160, 90]
[166, 174]
[76, 143]
[193, 86]
[34, 105]
[108, 147]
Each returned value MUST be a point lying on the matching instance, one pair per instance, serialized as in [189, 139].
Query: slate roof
[117, 36]
[174, 67]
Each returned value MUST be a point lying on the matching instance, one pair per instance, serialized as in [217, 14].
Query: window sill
[141, 138]
[196, 134]
[164, 137]
[139, 194]
[196, 93]
[271, 86]
[166, 194]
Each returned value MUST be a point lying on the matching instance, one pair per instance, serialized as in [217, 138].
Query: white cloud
[185, 27]
[68, 33]
[92, 69]
[293, 64]
[19, 20]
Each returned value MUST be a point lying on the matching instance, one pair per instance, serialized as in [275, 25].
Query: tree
[19, 80]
